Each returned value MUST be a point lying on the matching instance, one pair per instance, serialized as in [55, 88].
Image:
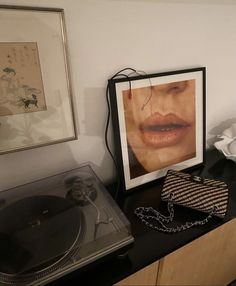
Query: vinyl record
[38, 234]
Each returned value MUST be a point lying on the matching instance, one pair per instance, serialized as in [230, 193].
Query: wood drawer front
[208, 260]
[147, 276]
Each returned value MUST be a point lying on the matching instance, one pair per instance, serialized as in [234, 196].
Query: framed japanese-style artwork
[159, 124]
[35, 88]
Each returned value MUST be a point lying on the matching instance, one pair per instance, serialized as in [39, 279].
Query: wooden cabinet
[208, 260]
[147, 276]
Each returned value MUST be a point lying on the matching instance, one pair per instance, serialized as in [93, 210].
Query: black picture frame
[158, 124]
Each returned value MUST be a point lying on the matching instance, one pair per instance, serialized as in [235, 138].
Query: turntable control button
[35, 223]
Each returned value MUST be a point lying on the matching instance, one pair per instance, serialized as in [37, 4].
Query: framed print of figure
[35, 89]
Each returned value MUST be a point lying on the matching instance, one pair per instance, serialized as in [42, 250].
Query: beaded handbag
[205, 195]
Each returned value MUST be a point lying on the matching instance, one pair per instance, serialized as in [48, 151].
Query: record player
[56, 225]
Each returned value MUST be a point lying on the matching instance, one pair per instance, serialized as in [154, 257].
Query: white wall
[107, 35]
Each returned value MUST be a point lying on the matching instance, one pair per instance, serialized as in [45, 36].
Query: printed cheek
[140, 115]
[130, 95]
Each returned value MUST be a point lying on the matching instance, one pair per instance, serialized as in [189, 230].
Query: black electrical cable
[119, 73]
[128, 76]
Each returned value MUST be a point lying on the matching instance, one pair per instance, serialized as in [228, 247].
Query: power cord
[118, 74]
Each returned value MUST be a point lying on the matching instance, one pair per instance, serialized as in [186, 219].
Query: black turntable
[53, 226]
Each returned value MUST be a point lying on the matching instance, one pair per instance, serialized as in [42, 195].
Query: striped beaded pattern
[195, 192]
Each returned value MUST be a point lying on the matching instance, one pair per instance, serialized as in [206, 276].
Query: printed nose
[161, 100]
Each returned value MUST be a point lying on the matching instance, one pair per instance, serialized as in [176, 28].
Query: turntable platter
[37, 233]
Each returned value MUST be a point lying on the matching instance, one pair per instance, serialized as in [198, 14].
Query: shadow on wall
[94, 119]
[218, 130]
[206, 2]
[34, 164]
[93, 125]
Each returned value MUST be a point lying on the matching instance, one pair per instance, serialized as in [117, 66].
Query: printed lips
[160, 131]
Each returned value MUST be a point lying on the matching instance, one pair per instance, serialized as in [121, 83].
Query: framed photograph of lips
[159, 124]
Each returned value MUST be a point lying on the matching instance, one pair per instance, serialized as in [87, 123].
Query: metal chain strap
[149, 213]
